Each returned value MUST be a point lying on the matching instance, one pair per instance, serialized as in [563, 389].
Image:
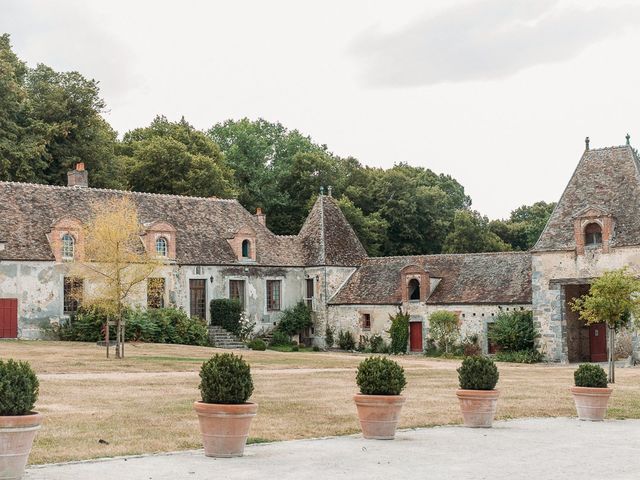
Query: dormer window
[414, 289]
[246, 249]
[593, 235]
[68, 246]
[162, 247]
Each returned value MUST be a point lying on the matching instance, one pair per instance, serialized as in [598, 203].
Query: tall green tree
[175, 158]
[524, 226]
[471, 234]
[49, 121]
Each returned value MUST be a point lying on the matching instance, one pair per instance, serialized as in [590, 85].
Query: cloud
[69, 36]
[484, 40]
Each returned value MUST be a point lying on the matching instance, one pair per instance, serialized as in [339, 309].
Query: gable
[605, 184]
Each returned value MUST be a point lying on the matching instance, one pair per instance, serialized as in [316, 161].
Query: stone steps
[221, 338]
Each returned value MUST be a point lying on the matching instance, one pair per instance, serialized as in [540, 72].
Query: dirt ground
[143, 404]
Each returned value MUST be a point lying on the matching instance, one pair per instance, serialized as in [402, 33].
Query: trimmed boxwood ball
[18, 388]
[257, 344]
[225, 378]
[380, 376]
[478, 373]
[590, 375]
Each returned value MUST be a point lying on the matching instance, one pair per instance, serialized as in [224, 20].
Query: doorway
[8, 318]
[585, 343]
[415, 336]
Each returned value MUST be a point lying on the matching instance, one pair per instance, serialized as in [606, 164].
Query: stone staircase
[221, 338]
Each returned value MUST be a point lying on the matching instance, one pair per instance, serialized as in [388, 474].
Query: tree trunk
[106, 336]
[612, 364]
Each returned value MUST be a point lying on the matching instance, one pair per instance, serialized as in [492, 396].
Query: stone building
[214, 248]
[211, 248]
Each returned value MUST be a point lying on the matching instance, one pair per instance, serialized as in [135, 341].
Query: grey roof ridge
[113, 190]
[509, 252]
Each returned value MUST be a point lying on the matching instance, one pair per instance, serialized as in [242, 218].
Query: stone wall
[473, 318]
[551, 272]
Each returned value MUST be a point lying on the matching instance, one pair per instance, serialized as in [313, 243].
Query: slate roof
[608, 180]
[202, 224]
[327, 237]
[472, 278]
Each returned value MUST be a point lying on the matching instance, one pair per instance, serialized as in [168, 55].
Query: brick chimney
[78, 177]
[261, 217]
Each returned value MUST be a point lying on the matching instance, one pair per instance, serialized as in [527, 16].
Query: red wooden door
[8, 318]
[598, 342]
[415, 336]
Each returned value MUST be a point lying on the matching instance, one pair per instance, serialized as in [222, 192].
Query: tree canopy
[51, 120]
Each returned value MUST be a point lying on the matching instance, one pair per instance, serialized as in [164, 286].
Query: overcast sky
[498, 93]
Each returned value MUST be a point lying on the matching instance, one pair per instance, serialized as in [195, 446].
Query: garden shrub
[514, 331]
[295, 348]
[521, 356]
[19, 388]
[471, 346]
[444, 329]
[346, 340]
[363, 344]
[478, 373]
[295, 319]
[280, 339]
[399, 332]
[316, 348]
[328, 336]
[225, 378]
[226, 313]
[162, 325]
[257, 344]
[377, 344]
[380, 376]
[590, 375]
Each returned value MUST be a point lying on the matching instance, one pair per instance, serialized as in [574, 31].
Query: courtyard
[95, 407]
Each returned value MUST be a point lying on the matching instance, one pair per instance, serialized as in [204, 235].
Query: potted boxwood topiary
[224, 413]
[591, 394]
[477, 395]
[18, 422]
[379, 402]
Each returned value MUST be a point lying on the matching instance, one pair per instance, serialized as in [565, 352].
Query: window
[73, 291]
[310, 293]
[246, 249]
[162, 247]
[198, 298]
[273, 295]
[366, 321]
[68, 246]
[593, 235]
[236, 291]
[414, 289]
[155, 293]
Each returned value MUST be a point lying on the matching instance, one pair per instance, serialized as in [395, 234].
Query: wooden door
[415, 336]
[198, 298]
[8, 318]
[598, 342]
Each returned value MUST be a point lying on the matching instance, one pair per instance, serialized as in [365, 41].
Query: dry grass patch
[144, 403]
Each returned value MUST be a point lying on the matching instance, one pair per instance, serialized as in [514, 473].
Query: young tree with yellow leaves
[114, 262]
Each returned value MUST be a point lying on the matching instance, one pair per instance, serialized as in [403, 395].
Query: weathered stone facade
[594, 228]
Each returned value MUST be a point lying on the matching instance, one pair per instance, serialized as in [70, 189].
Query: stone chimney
[261, 217]
[78, 177]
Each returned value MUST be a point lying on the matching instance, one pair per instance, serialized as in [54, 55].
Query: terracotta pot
[16, 438]
[225, 427]
[379, 415]
[591, 403]
[478, 407]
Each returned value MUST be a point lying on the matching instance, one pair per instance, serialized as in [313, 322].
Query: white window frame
[68, 243]
[162, 241]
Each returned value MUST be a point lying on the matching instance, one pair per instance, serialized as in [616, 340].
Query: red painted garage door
[8, 317]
